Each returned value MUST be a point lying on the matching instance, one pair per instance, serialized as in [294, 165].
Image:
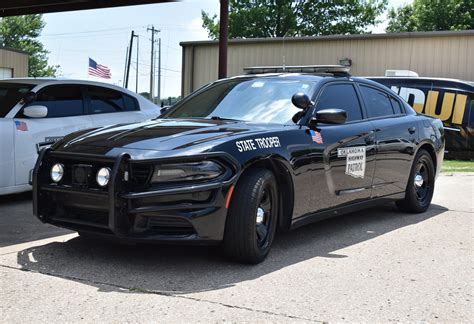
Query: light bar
[334, 69]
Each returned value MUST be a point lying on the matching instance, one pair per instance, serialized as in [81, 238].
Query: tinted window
[130, 103]
[376, 102]
[341, 96]
[10, 95]
[61, 100]
[396, 106]
[265, 100]
[105, 100]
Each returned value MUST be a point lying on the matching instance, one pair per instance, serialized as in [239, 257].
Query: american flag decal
[316, 136]
[99, 70]
[21, 126]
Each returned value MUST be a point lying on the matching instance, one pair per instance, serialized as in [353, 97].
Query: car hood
[164, 134]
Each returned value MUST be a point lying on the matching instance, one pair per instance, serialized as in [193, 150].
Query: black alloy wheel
[420, 187]
[252, 217]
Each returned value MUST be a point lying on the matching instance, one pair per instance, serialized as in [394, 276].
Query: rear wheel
[252, 217]
[420, 187]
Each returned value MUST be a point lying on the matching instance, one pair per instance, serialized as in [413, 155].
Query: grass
[457, 166]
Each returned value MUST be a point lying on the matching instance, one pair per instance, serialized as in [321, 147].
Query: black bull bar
[116, 194]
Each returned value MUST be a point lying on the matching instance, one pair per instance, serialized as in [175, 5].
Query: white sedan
[36, 112]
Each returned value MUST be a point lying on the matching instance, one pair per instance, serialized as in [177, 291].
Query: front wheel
[420, 187]
[252, 217]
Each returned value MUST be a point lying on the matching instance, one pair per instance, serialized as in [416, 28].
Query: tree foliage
[432, 15]
[278, 18]
[22, 32]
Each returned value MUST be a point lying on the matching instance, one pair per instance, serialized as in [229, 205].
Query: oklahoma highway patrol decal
[355, 160]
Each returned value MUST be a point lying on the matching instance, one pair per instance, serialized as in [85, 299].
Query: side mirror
[164, 109]
[301, 100]
[36, 111]
[329, 116]
[28, 97]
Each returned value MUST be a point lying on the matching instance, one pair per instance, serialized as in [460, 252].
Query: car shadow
[181, 269]
[19, 225]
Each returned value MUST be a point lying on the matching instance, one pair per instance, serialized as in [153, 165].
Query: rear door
[348, 151]
[396, 136]
[66, 114]
[108, 106]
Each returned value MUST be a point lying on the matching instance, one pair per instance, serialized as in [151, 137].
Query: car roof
[52, 81]
[441, 82]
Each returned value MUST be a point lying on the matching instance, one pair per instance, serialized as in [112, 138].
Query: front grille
[141, 173]
[167, 225]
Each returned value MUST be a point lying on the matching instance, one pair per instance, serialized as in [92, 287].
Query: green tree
[22, 32]
[277, 18]
[432, 15]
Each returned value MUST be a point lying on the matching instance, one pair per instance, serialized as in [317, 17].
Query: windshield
[10, 94]
[262, 100]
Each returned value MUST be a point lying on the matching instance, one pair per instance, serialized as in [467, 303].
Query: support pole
[223, 36]
[125, 68]
[127, 74]
[159, 69]
[136, 72]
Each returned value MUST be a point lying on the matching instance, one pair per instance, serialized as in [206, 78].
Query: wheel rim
[263, 217]
[421, 181]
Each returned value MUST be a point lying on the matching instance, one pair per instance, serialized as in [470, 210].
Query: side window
[131, 104]
[377, 102]
[396, 106]
[61, 100]
[341, 96]
[103, 100]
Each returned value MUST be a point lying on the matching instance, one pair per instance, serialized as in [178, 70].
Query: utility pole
[127, 74]
[125, 67]
[152, 67]
[136, 72]
[159, 69]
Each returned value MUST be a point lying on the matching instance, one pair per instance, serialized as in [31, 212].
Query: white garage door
[6, 73]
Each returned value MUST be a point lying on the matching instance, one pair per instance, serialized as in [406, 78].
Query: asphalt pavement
[374, 265]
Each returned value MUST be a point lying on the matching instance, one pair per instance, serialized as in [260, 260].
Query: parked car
[240, 158]
[37, 112]
[450, 100]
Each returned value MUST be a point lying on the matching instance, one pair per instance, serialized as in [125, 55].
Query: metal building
[13, 63]
[448, 54]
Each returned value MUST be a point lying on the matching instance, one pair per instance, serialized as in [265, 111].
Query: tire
[418, 194]
[252, 217]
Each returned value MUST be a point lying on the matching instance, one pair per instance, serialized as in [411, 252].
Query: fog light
[57, 172]
[103, 177]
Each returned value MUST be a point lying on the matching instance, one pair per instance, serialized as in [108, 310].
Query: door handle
[412, 130]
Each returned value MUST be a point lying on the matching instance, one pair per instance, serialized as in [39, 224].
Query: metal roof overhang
[27, 7]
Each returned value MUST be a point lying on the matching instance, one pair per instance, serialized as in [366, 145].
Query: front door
[65, 115]
[347, 151]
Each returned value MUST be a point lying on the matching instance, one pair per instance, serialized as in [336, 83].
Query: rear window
[104, 100]
[377, 102]
[10, 95]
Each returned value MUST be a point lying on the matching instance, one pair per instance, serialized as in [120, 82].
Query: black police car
[240, 158]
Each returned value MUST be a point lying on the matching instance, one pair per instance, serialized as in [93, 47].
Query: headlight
[190, 171]
[103, 176]
[57, 172]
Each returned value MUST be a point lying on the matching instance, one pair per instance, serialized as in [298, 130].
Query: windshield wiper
[222, 118]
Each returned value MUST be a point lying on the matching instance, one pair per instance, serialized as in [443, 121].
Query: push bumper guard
[193, 213]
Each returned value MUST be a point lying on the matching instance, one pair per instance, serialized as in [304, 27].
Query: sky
[104, 34]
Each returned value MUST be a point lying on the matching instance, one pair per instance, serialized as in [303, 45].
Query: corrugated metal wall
[15, 60]
[442, 54]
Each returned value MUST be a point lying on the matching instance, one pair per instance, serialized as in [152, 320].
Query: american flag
[21, 126]
[316, 137]
[99, 70]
